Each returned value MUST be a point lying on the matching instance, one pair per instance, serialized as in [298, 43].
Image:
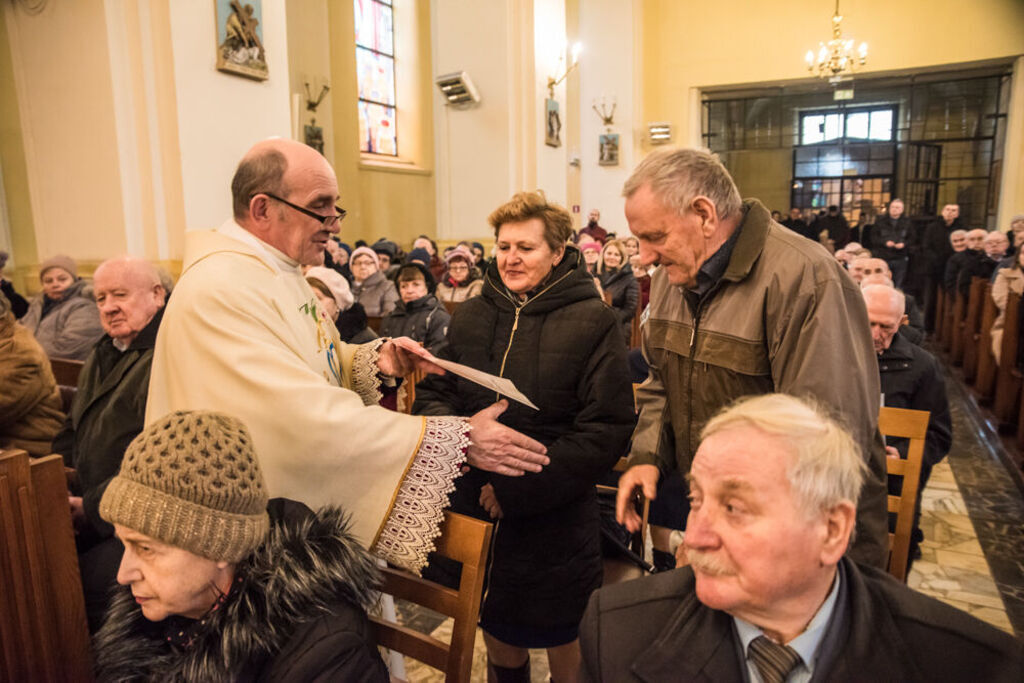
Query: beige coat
[242, 334]
[1007, 280]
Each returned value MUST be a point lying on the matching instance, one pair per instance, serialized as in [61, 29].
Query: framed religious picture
[608, 150]
[240, 38]
[553, 126]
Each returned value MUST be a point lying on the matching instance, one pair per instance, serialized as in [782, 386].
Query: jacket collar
[307, 565]
[899, 349]
[753, 228]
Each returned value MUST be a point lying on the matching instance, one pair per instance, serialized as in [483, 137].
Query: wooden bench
[43, 630]
[972, 329]
[1007, 377]
[985, 375]
[956, 328]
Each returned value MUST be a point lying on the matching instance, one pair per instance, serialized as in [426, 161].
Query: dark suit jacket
[655, 629]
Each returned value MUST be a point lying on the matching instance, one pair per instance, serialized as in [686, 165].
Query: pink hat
[340, 291]
[364, 251]
[590, 246]
[460, 253]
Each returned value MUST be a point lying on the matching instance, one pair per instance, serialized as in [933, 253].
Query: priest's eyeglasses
[327, 221]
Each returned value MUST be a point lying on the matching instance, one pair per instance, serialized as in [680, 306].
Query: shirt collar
[714, 268]
[806, 644]
[275, 258]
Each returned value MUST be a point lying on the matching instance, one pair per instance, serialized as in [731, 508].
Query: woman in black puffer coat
[618, 282]
[540, 323]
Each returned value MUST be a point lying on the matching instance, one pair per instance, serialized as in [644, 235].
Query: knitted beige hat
[191, 480]
[65, 263]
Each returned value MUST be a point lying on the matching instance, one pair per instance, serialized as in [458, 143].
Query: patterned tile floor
[972, 515]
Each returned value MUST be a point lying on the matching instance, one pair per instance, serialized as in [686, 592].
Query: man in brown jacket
[30, 405]
[741, 306]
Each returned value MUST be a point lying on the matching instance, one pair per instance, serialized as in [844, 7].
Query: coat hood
[308, 564]
[568, 282]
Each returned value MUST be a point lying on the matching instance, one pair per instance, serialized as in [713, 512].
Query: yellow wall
[687, 46]
[392, 198]
[12, 160]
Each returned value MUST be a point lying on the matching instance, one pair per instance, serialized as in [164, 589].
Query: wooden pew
[1007, 377]
[972, 328]
[945, 340]
[373, 323]
[43, 631]
[985, 375]
[66, 371]
[450, 306]
[956, 328]
[940, 304]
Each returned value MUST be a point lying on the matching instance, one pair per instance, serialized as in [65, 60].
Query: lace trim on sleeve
[408, 534]
[365, 373]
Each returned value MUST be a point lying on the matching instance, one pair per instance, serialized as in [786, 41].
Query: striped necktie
[773, 661]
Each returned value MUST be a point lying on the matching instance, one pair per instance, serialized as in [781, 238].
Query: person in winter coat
[19, 304]
[462, 279]
[30, 403]
[63, 317]
[339, 306]
[890, 240]
[370, 286]
[1007, 280]
[418, 314]
[591, 255]
[540, 323]
[617, 279]
[220, 584]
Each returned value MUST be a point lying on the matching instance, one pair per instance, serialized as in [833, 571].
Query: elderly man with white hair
[769, 594]
[910, 378]
[109, 409]
[740, 306]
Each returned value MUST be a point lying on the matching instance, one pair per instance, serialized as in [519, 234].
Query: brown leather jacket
[30, 404]
[783, 318]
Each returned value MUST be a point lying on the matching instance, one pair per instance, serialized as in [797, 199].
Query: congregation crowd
[241, 459]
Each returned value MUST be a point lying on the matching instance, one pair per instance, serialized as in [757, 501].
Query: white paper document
[501, 385]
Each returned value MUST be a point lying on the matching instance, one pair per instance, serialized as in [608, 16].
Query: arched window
[375, 71]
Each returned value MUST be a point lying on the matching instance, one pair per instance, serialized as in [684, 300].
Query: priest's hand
[400, 356]
[497, 448]
[643, 477]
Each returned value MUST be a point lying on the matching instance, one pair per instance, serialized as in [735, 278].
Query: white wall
[549, 40]
[606, 70]
[221, 115]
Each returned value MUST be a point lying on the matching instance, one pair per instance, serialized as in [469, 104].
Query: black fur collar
[308, 564]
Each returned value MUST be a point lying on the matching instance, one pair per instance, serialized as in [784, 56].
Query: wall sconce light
[457, 88]
[660, 132]
[566, 69]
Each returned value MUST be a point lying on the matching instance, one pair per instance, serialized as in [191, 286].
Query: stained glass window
[375, 71]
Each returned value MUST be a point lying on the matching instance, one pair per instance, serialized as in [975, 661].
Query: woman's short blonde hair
[618, 245]
[527, 205]
[826, 466]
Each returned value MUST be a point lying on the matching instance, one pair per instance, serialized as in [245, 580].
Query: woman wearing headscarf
[618, 283]
[64, 317]
[540, 323]
[462, 279]
[370, 286]
[339, 306]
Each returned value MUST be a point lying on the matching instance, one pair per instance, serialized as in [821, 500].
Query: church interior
[122, 122]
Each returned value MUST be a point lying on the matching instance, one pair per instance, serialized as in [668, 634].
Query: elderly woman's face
[166, 580]
[363, 267]
[524, 257]
[458, 269]
[55, 281]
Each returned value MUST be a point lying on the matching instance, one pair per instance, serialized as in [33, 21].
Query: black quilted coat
[563, 349]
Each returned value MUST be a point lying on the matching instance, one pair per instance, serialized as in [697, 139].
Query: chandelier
[836, 58]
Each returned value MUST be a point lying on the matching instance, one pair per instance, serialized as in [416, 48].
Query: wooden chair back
[912, 425]
[985, 375]
[972, 328]
[463, 539]
[43, 630]
[373, 322]
[1007, 377]
[66, 371]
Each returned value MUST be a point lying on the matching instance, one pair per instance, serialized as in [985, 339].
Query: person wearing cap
[387, 257]
[242, 334]
[30, 403]
[220, 583]
[338, 304]
[462, 279]
[591, 255]
[418, 314]
[63, 317]
[370, 284]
